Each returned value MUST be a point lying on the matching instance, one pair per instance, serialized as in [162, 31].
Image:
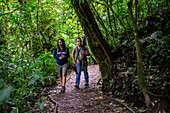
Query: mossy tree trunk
[96, 41]
[140, 72]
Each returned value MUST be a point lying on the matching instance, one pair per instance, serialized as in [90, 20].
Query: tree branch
[12, 11]
[117, 17]
[136, 10]
[109, 18]
[99, 19]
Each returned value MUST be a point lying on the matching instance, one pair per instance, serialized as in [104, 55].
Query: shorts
[62, 69]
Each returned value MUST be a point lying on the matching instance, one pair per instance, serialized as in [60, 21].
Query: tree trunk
[96, 41]
[140, 72]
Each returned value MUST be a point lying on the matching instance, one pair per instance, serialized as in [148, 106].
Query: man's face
[78, 42]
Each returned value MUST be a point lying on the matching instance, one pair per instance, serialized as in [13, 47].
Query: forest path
[89, 100]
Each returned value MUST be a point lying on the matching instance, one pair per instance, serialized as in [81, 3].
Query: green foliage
[26, 76]
[155, 48]
[29, 33]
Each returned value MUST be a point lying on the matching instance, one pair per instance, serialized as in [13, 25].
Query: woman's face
[60, 43]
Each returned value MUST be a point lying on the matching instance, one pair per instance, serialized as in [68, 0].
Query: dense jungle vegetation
[29, 30]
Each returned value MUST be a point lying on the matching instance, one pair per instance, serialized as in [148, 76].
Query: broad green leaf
[164, 111]
[42, 106]
[32, 81]
[15, 110]
[1, 83]
[5, 93]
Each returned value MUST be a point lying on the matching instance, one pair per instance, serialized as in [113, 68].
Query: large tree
[96, 41]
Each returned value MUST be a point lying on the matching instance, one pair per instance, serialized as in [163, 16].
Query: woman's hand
[63, 56]
[60, 58]
[74, 63]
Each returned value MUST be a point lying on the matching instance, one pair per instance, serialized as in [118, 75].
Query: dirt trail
[89, 100]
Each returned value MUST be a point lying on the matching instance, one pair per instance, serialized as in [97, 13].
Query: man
[78, 52]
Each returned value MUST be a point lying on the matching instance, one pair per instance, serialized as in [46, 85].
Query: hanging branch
[109, 18]
[20, 15]
[19, 18]
[38, 32]
[37, 20]
[12, 11]
[149, 7]
[43, 36]
[78, 28]
[115, 25]
[136, 10]
[99, 19]
[130, 27]
[116, 32]
[116, 16]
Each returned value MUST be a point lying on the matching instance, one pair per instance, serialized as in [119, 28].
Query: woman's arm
[54, 55]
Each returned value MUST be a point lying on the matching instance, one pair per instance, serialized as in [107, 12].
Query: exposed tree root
[121, 104]
[54, 102]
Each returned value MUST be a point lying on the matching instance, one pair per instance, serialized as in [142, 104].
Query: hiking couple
[61, 54]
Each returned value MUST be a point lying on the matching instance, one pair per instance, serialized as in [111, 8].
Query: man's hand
[84, 53]
[63, 56]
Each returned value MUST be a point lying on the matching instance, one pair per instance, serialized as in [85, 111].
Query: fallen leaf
[52, 108]
[100, 97]
[153, 104]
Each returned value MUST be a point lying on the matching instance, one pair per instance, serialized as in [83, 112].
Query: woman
[61, 54]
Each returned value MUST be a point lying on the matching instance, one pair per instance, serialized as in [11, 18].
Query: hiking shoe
[86, 85]
[63, 89]
[76, 86]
